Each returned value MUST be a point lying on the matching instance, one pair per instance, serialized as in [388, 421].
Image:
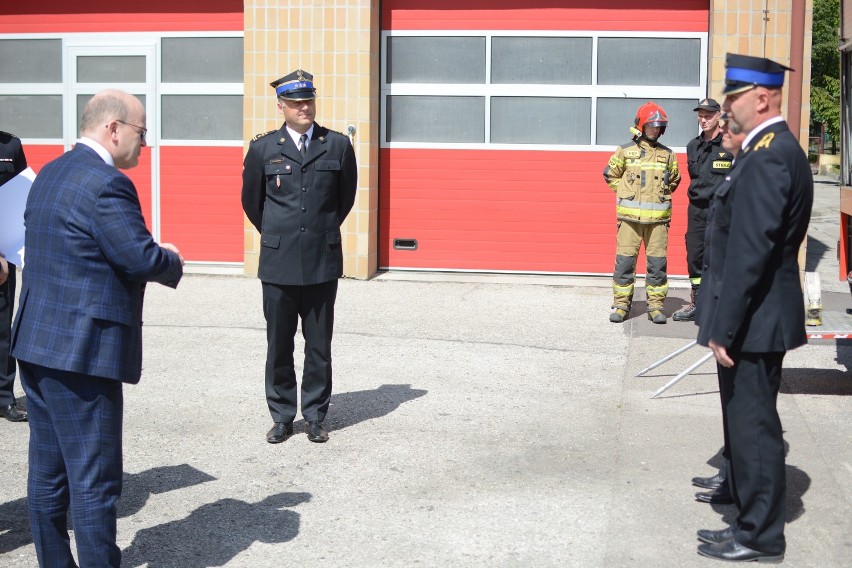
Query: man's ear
[764, 99]
[112, 128]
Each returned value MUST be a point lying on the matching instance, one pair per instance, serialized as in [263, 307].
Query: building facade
[481, 127]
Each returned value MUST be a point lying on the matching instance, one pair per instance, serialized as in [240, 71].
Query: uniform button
[705, 267]
[304, 189]
[304, 170]
[303, 209]
[302, 229]
[730, 333]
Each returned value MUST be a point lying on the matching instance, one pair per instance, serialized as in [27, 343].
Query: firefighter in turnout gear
[708, 163]
[643, 174]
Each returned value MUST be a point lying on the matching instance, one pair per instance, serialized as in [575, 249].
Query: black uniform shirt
[12, 159]
[707, 163]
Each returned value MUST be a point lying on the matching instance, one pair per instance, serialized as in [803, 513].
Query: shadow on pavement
[816, 381]
[798, 483]
[14, 524]
[138, 487]
[350, 408]
[215, 533]
[816, 250]
[14, 515]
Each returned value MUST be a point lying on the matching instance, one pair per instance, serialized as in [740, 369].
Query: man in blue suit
[78, 332]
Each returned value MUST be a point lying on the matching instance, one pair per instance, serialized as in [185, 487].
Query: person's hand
[174, 249]
[721, 354]
[4, 270]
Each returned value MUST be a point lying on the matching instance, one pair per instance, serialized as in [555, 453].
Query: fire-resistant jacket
[707, 163]
[643, 176]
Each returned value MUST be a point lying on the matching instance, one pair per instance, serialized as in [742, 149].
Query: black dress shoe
[12, 413]
[732, 551]
[316, 433]
[279, 432]
[709, 482]
[716, 537]
[721, 496]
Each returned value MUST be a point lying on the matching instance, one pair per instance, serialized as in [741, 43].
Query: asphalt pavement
[477, 420]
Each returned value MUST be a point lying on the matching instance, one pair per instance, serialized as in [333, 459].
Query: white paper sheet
[13, 201]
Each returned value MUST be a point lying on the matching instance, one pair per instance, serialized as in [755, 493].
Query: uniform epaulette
[664, 147]
[764, 141]
[629, 144]
[3, 132]
[259, 136]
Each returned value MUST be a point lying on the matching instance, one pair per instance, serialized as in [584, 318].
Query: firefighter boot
[619, 313]
[687, 313]
[656, 315]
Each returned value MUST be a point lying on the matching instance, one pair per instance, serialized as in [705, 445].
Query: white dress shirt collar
[97, 147]
[295, 135]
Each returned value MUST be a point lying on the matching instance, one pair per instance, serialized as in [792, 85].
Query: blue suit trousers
[75, 459]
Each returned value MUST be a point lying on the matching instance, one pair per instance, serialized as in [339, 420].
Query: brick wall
[338, 42]
[762, 29]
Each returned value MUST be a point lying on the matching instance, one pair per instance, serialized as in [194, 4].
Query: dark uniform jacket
[298, 204]
[750, 297]
[12, 160]
[707, 163]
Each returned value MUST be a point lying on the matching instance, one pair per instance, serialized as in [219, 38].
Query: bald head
[103, 107]
[116, 120]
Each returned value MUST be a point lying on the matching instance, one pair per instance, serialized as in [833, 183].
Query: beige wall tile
[324, 38]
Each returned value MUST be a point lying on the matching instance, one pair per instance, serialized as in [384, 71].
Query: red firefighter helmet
[651, 114]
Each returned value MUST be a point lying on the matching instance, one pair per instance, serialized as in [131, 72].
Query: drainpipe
[797, 45]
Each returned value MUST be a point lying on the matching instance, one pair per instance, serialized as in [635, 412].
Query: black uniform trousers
[283, 306]
[754, 436]
[696, 226]
[7, 362]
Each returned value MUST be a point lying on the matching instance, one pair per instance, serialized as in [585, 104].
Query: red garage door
[497, 122]
[58, 54]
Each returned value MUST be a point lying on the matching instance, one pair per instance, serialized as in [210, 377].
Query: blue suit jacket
[88, 255]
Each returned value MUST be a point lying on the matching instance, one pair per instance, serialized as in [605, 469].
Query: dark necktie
[303, 144]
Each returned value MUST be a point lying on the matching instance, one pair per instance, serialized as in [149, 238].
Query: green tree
[825, 68]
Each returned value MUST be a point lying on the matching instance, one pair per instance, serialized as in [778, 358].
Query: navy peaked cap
[296, 86]
[744, 72]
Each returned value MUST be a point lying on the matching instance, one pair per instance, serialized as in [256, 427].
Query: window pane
[111, 69]
[31, 60]
[32, 116]
[202, 117]
[615, 117]
[640, 61]
[541, 120]
[541, 60]
[436, 59]
[81, 104]
[435, 119]
[202, 60]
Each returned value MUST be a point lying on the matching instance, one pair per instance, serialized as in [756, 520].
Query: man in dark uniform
[707, 163]
[12, 162]
[720, 489]
[299, 185]
[751, 309]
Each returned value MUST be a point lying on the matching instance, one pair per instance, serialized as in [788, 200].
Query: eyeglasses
[142, 131]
